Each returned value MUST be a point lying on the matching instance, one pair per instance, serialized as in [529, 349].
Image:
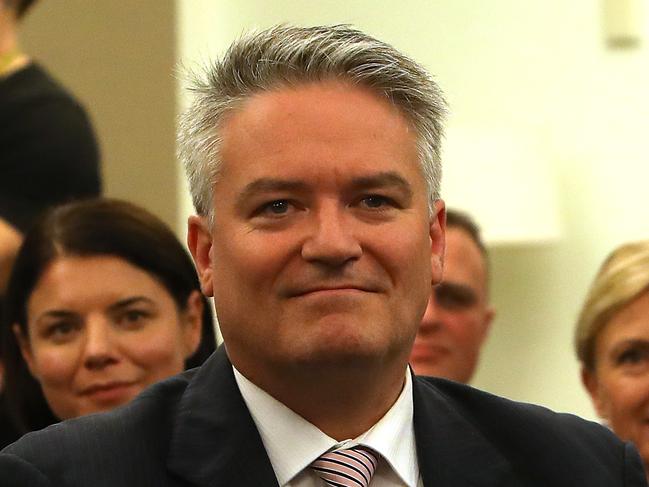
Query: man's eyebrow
[269, 185]
[383, 180]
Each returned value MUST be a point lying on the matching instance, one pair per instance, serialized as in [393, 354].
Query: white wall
[537, 70]
[118, 58]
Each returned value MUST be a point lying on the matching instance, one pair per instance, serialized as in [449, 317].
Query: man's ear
[438, 240]
[193, 323]
[589, 379]
[25, 348]
[199, 241]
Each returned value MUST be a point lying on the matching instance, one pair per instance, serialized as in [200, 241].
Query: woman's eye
[133, 317]
[60, 332]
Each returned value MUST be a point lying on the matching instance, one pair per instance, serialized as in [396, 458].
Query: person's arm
[10, 240]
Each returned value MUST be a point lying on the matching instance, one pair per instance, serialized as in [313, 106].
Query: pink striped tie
[353, 467]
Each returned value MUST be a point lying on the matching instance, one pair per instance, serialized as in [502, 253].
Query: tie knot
[352, 467]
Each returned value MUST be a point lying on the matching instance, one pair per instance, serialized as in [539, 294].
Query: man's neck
[342, 401]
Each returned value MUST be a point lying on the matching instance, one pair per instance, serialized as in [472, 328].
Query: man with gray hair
[313, 158]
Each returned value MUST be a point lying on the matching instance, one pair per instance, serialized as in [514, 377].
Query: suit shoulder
[135, 433]
[481, 408]
[534, 439]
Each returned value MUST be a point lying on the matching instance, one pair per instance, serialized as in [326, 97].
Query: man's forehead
[296, 128]
[280, 104]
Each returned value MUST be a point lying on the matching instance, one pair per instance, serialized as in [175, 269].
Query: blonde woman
[612, 344]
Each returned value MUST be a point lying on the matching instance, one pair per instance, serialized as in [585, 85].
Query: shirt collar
[392, 436]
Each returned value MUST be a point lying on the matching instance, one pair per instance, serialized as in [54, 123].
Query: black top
[48, 151]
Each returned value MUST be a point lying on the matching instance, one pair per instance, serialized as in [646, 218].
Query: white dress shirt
[292, 443]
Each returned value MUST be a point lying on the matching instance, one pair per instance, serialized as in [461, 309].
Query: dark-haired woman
[103, 301]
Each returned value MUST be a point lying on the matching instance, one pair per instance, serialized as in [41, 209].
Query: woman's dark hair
[89, 228]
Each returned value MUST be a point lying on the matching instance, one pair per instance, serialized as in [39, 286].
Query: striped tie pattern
[351, 467]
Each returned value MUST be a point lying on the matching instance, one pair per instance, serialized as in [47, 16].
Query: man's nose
[99, 346]
[332, 238]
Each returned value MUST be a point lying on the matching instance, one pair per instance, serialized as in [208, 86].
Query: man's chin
[340, 355]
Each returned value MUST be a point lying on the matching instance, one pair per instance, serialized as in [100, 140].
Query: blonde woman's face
[619, 385]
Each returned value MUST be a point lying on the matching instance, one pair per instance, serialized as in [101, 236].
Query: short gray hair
[287, 56]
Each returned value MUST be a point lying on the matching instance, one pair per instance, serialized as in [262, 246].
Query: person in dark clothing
[48, 150]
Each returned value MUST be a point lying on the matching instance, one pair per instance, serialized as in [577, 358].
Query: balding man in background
[459, 314]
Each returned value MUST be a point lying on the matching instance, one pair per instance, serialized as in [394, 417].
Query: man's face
[320, 252]
[458, 315]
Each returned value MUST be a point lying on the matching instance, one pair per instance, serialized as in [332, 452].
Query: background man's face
[321, 247]
[458, 315]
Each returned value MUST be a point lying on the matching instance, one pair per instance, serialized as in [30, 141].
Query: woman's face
[619, 385]
[100, 330]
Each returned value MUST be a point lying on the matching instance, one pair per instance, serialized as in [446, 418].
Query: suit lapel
[451, 452]
[214, 440]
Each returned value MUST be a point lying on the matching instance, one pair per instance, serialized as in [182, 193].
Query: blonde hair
[623, 276]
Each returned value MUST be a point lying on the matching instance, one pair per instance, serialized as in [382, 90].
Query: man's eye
[454, 296]
[376, 201]
[277, 207]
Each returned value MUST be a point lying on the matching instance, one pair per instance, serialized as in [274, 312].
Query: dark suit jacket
[195, 430]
